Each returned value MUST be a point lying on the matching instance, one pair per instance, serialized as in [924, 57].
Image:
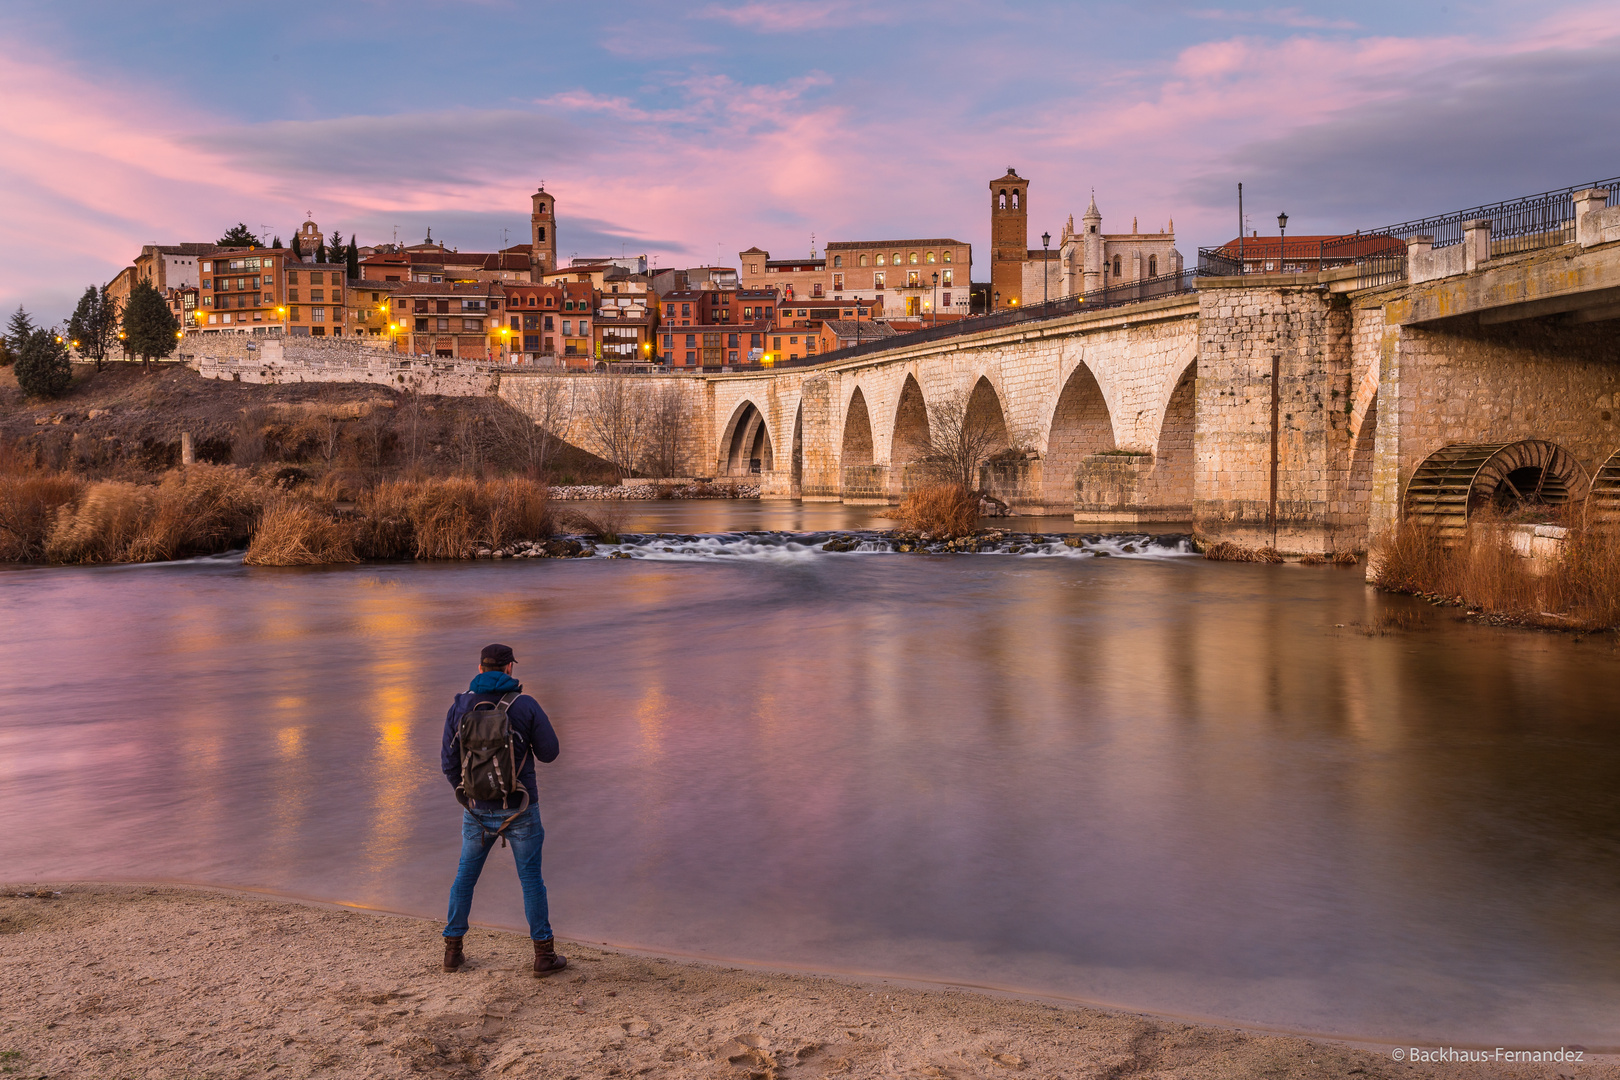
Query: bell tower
[1009, 239]
[542, 232]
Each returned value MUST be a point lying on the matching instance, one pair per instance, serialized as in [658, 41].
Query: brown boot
[546, 960]
[453, 956]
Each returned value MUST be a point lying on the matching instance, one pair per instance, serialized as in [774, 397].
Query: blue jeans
[526, 836]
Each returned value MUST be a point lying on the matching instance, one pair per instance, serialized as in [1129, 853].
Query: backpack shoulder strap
[506, 702]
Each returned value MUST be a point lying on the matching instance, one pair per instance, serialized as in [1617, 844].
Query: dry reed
[604, 521]
[1226, 551]
[1579, 589]
[293, 533]
[29, 504]
[943, 511]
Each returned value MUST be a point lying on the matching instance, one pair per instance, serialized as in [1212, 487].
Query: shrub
[293, 533]
[1226, 551]
[200, 510]
[946, 511]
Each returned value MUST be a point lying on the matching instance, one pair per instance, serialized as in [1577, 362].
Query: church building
[1082, 261]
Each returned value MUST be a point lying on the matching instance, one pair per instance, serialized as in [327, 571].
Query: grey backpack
[489, 760]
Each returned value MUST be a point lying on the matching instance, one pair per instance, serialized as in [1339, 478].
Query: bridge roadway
[1285, 410]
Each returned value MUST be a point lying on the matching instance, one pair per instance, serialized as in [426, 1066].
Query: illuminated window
[947, 255]
[929, 257]
[838, 260]
[913, 258]
[863, 259]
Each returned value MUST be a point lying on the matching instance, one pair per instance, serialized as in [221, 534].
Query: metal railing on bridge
[1134, 292]
[1517, 225]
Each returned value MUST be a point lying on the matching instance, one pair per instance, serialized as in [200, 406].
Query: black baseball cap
[496, 656]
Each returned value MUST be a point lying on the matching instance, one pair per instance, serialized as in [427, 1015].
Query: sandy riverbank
[137, 981]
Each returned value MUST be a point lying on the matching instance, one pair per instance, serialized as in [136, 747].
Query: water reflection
[1183, 786]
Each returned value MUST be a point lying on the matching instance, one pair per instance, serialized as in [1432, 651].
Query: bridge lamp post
[1282, 241]
[936, 298]
[1046, 253]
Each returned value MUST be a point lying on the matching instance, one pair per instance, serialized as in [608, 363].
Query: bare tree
[412, 427]
[615, 416]
[535, 435]
[961, 439]
[667, 424]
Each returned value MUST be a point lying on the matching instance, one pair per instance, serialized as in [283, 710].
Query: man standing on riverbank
[483, 820]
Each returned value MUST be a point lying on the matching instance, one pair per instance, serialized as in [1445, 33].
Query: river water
[1203, 789]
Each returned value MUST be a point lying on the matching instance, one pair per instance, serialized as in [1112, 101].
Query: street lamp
[122, 344]
[1046, 253]
[935, 302]
[1282, 241]
[997, 301]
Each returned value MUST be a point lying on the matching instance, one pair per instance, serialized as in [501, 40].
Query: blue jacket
[531, 731]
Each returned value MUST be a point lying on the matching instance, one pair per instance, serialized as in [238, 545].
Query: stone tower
[309, 240]
[1091, 247]
[1009, 238]
[542, 233]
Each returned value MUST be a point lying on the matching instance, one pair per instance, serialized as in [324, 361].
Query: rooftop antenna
[396, 236]
[812, 245]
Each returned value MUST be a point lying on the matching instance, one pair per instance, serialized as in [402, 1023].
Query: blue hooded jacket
[531, 731]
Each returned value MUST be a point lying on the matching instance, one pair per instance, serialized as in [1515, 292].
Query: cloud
[767, 17]
[1291, 17]
[1458, 136]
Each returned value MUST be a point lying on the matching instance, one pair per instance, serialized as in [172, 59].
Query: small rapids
[791, 547]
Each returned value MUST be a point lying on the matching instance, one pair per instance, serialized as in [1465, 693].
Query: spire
[1133, 226]
[1092, 213]
[1172, 226]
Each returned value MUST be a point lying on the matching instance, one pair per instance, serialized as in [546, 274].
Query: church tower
[1009, 239]
[1092, 256]
[542, 233]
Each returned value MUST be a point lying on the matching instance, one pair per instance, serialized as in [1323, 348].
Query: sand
[165, 982]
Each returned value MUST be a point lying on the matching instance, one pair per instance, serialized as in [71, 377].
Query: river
[1209, 790]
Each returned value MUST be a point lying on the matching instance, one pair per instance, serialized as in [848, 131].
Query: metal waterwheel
[1603, 499]
[1455, 481]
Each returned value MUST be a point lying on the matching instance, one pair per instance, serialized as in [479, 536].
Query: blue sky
[690, 132]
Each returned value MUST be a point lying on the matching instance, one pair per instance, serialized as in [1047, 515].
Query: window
[531, 342]
[945, 278]
[755, 341]
[862, 311]
[732, 356]
[1153, 266]
[208, 283]
[848, 312]
[292, 295]
[530, 322]
[294, 314]
[686, 310]
[1001, 200]
[207, 267]
[896, 259]
[809, 345]
[472, 324]
[815, 290]
[669, 342]
[838, 260]
[317, 295]
[568, 328]
[548, 325]
[776, 343]
[444, 325]
[929, 257]
[399, 302]
[838, 283]
[731, 340]
[913, 258]
[946, 299]
[913, 279]
[947, 254]
[794, 340]
[1116, 265]
[880, 259]
[877, 280]
[1015, 199]
[691, 357]
[442, 307]
[421, 324]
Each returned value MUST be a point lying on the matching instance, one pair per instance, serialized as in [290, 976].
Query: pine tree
[297, 248]
[334, 247]
[276, 243]
[352, 257]
[150, 328]
[83, 328]
[42, 365]
[320, 252]
[18, 327]
[239, 236]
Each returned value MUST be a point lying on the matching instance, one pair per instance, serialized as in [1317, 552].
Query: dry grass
[449, 518]
[1226, 551]
[1580, 590]
[604, 521]
[293, 533]
[29, 504]
[199, 510]
[943, 511]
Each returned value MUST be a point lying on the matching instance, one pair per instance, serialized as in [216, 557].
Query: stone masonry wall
[273, 360]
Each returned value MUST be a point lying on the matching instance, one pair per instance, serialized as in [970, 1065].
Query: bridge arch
[747, 446]
[1080, 425]
[911, 432]
[1455, 482]
[1173, 457]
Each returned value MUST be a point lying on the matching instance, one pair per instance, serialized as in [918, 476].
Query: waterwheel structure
[1455, 482]
[1603, 500]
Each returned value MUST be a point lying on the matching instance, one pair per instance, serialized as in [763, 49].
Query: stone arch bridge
[1288, 410]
